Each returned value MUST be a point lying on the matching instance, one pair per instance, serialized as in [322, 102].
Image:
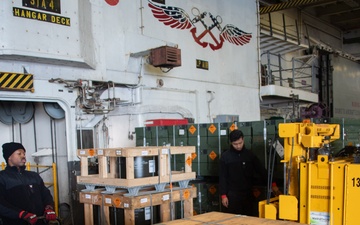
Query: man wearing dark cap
[23, 195]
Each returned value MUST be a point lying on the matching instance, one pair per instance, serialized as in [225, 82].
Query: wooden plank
[106, 213]
[188, 163]
[102, 166]
[117, 182]
[140, 151]
[135, 182]
[130, 168]
[188, 208]
[91, 197]
[83, 152]
[113, 152]
[175, 150]
[165, 212]
[253, 221]
[89, 214]
[178, 176]
[129, 217]
[220, 218]
[163, 167]
[211, 217]
[161, 197]
[84, 166]
[181, 222]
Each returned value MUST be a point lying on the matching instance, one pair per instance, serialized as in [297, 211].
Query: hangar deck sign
[52, 6]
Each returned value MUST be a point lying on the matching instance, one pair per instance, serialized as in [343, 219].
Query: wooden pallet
[107, 178]
[145, 198]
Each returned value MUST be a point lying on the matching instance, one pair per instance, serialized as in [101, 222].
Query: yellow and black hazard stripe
[16, 82]
[286, 5]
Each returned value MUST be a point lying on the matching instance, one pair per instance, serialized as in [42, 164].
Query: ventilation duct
[165, 56]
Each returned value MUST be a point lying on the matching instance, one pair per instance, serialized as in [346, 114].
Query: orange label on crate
[212, 190]
[189, 161]
[212, 128]
[233, 127]
[193, 156]
[186, 194]
[91, 152]
[117, 202]
[192, 129]
[212, 155]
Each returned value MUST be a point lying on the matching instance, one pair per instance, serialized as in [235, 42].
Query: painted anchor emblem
[177, 18]
[199, 17]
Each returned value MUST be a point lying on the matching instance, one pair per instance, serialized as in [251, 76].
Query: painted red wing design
[171, 16]
[234, 35]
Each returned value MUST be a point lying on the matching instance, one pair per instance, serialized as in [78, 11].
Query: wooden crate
[145, 198]
[220, 218]
[107, 175]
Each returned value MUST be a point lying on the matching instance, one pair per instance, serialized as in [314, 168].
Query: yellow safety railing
[49, 184]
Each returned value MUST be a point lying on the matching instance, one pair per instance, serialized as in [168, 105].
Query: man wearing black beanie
[23, 195]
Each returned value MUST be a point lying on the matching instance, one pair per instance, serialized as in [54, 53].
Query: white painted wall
[232, 75]
[97, 46]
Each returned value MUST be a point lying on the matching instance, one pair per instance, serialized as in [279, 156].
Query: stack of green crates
[210, 141]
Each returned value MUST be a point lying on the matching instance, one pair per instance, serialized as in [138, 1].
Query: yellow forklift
[319, 187]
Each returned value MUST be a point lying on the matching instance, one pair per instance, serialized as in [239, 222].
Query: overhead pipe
[287, 5]
[212, 97]
[258, 49]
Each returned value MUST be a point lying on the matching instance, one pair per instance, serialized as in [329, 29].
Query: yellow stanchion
[28, 166]
[56, 195]
[54, 183]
